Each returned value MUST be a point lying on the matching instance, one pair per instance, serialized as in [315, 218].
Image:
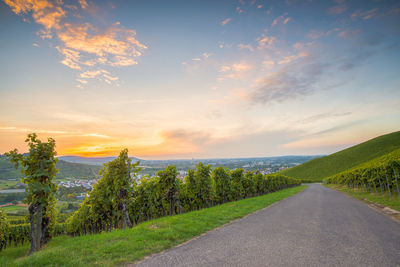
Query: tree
[248, 185]
[191, 190]
[146, 199]
[259, 183]
[170, 186]
[120, 169]
[107, 204]
[38, 170]
[204, 184]
[237, 184]
[222, 179]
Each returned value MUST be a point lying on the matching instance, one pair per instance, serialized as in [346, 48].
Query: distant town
[78, 175]
[266, 165]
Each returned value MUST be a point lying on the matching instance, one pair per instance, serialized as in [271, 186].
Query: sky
[198, 79]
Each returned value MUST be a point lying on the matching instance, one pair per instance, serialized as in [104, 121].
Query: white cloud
[246, 46]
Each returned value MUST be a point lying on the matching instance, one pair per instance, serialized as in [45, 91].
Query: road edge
[393, 214]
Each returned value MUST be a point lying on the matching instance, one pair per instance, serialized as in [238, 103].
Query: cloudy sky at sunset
[198, 79]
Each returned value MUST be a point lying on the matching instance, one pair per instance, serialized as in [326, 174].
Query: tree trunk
[179, 205]
[35, 217]
[171, 206]
[32, 210]
[125, 215]
[163, 209]
[45, 230]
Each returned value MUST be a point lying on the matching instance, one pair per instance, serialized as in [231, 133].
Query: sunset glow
[198, 79]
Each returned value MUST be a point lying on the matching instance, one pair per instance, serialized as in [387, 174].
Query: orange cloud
[225, 21]
[167, 142]
[281, 19]
[266, 42]
[288, 59]
[83, 4]
[235, 71]
[47, 13]
[83, 46]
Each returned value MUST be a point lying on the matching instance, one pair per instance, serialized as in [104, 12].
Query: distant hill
[66, 170]
[90, 160]
[7, 170]
[77, 170]
[375, 163]
[320, 168]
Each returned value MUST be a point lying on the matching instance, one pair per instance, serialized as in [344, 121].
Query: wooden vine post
[397, 182]
[387, 181]
[380, 185]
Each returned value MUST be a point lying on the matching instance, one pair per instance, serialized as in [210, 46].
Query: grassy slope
[66, 169]
[320, 168]
[129, 245]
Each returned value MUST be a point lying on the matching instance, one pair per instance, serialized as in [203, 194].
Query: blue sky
[184, 79]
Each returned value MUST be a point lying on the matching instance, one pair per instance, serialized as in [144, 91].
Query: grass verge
[368, 197]
[125, 246]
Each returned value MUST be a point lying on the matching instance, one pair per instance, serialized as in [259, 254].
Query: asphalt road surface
[317, 227]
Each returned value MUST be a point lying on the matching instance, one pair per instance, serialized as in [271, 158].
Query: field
[7, 184]
[320, 168]
[129, 245]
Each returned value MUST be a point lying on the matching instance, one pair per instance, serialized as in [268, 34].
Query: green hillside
[320, 168]
[66, 170]
[77, 170]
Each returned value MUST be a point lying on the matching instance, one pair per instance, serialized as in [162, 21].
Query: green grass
[368, 197]
[13, 207]
[321, 168]
[6, 184]
[126, 246]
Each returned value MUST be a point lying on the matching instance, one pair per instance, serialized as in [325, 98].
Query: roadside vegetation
[131, 244]
[375, 181]
[369, 197]
[117, 201]
[318, 169]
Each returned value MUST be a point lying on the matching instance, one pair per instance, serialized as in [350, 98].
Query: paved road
[317, 227]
